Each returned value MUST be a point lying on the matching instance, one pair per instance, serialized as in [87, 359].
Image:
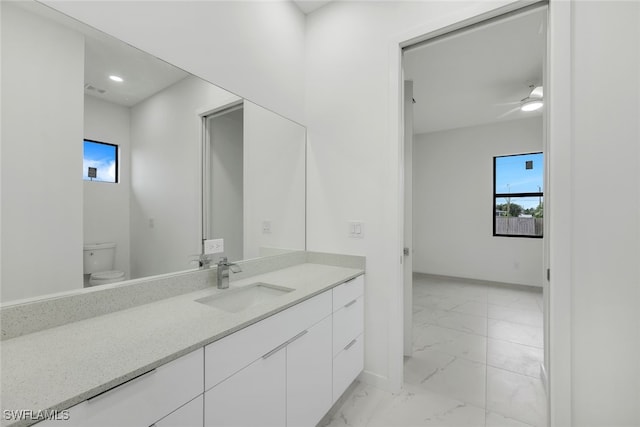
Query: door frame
[557, 193]
[201, 115]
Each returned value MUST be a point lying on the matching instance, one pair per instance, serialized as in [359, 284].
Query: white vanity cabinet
[143, 400]
[276, 372]
[348, 334]
[286, 370]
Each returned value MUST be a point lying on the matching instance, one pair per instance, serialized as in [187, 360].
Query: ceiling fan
[532, 102]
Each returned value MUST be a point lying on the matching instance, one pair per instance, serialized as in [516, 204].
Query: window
[100, 162]
[517, 195]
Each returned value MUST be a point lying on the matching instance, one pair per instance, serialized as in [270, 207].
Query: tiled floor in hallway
[476, 362]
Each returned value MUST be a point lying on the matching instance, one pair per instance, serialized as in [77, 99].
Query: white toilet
[99, 260]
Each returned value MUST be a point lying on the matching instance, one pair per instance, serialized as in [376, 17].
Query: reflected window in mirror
[100, 161]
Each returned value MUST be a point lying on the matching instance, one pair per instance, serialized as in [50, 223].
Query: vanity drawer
[230, 354]
[347, 365]
[144, 399]
[348, 323]
[347, 292]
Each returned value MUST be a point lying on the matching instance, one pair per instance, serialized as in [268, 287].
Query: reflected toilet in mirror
[99, 262]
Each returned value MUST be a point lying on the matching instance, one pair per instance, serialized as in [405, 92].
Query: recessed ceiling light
[116, 78]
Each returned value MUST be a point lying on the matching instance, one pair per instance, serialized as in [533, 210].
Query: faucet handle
[201, 260]
[224, 262]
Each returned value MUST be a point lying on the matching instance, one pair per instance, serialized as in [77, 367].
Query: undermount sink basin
[236, 300]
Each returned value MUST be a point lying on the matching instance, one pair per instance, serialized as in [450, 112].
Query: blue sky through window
[100, 156]
[512, 176]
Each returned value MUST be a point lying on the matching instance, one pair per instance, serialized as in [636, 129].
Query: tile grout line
[488, 338]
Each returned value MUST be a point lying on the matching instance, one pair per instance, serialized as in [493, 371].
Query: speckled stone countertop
[57, 368]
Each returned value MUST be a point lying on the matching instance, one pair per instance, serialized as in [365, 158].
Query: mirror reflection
[254, 174]
[111, 156]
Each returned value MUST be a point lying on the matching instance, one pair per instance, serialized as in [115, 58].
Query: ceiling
[143, 74]
[308, 6]
[477, 76]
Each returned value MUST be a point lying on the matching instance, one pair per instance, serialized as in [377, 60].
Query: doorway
[223, 169]
[468, 91]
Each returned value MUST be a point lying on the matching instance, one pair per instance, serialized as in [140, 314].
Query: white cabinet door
[189, 415]
[230, 354]
[144, 399]
[254, 396]
[309, 374]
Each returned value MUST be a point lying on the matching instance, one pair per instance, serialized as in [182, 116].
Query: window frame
[512, 195]
[117, 158]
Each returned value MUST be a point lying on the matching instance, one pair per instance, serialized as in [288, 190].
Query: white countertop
[57, 368]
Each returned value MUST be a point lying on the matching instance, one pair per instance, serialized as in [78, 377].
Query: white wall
[226, 171]
[274, 181]
[453, 178]
[605, 220]
[42, 96]
[594, 137]
[353, 160]
[166, 207]
[252, 48]
[106, 205]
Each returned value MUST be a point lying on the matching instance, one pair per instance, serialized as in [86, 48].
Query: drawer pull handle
[275, 350]
[283, 345]
[349, 304]
[300, 335]
[351, 344]
[134, 379]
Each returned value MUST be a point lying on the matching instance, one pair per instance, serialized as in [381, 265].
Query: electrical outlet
[213, 246]
[266, 227]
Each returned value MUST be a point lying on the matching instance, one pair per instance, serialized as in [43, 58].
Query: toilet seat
[104, 277]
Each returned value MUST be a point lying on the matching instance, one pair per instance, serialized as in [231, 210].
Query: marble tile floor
[476, 362]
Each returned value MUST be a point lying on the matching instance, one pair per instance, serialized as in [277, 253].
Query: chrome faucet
[223, 272]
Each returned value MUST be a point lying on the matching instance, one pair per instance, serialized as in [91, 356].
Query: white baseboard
[376, 380]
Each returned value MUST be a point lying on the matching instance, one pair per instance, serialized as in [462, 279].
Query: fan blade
[504, 104]
[513, 110]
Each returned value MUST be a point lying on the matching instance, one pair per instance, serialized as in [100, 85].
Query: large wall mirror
[108, 149]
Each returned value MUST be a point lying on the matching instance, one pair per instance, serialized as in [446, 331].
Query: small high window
[100, 162]
[517, 195]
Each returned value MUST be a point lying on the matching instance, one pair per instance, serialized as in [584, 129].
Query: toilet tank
[99, 257]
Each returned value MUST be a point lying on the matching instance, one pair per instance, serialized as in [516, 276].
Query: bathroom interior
[241, 256]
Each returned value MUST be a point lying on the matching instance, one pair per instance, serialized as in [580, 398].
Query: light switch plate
[356, 229]
[213, 246]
